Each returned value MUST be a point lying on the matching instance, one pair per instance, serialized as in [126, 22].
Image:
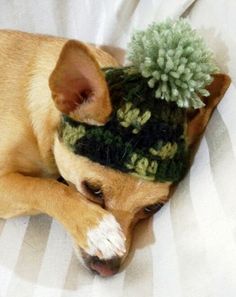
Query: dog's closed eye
[153, 208]
[94, 191]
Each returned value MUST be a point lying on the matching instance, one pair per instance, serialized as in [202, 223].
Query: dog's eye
[94, 191]
[151, 209]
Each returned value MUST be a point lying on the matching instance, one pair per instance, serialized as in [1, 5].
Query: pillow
[215, 20]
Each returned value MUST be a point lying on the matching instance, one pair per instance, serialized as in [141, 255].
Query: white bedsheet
[188, 249]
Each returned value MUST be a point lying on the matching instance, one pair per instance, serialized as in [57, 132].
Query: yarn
[144, 137]
[175, 60]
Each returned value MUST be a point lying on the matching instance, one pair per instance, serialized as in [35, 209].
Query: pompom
[175, 60]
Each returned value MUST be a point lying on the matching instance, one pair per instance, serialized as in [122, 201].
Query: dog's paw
[106, 240]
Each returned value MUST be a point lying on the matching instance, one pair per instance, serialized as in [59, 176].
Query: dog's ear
[198, 119]
[78, 85]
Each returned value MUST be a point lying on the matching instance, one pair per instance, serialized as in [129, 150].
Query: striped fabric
[189, 248]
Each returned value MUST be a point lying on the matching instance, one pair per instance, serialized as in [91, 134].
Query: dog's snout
[105, 267]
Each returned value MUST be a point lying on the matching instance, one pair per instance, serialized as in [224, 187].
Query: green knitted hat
[146, 135]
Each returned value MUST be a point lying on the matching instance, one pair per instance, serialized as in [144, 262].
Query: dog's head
[79, 90]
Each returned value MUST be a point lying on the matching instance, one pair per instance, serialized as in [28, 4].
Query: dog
[42, 77]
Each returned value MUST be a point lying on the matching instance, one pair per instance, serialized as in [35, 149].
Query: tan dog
[103, 205]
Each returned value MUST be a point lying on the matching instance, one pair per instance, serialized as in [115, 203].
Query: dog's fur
[40, 78]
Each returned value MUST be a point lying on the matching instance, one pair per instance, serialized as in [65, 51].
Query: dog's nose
[105, 267]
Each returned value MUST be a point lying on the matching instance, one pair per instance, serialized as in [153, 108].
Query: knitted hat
[146, 135]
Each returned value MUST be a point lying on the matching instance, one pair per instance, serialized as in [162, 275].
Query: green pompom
[175, 60]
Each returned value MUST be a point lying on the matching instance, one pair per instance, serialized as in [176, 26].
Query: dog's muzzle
[105, 267]
[102, 267]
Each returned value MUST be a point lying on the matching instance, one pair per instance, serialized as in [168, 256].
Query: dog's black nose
[105, 267]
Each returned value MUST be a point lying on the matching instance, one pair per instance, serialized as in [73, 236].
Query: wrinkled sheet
[188, 249]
